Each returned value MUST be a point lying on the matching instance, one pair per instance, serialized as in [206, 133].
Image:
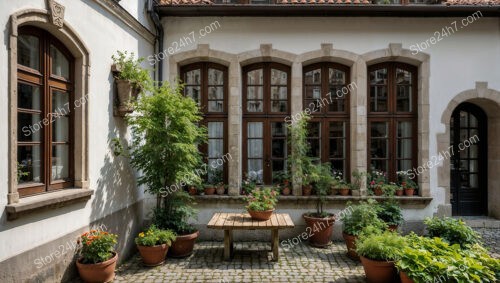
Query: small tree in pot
[320, 223]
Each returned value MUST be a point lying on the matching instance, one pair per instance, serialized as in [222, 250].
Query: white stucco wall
[456, 62]
[112, 180]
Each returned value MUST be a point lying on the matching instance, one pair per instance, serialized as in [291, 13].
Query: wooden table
[242, 221]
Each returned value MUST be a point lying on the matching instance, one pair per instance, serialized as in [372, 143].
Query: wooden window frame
[266, 116]
[392, 116]
[324, 116]
[211, 116]
[47, 82]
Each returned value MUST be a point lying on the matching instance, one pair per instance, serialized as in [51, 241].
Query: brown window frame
[324, 116]
[266, 116]
[211, 116]
[47, 82]
[392, 116]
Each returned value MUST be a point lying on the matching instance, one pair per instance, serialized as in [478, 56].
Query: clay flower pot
[405, 278]
[153, 255]
[98, 272]
[409, 192]
[183, 245]
[344, 192]
[192, 191]
[307, 190]
[379, 271]
[399, 193]
[378, 191]
[392, 228]
[220, 190]
[319, 230]
[350, 242]
[209, 190]
[261, 215]
[286, 191]
[127, 93]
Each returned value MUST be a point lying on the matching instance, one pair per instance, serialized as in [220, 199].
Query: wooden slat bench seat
[242, 221]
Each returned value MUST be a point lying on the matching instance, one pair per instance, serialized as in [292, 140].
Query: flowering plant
[261, 200]
[96, 246]
[248, 185]
[377, 179]
[154, 236]
[405, 181]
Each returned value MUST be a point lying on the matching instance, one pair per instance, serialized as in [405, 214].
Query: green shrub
[453, 231]
[390, 213]
[261, 200]
[154, 236]
[434, 260]
[130, 69]
[360, 216]
[380, 245]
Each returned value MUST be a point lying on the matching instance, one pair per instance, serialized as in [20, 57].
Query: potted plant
[97, 258]
[344, 188]
[378, 253]
[218, 180]
[319, 224]
[283, 182]
[361, 215]
[194, 183]
[407, 183]
[166, 150]
[391, 214]
[261, 203]
[376, 180]
[248, 185]
[453, 231]
[399, 191]
[153, 245]
[130, 80]
[389, 189]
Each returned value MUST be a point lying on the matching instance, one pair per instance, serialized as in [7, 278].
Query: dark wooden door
[468, 160]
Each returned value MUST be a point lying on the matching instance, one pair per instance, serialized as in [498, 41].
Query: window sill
[47, 201]
[413, 200]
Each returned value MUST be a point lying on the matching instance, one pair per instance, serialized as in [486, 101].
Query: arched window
[326, 96]
[206, 83]
[266, 103]
[44, 113]
[392, 118]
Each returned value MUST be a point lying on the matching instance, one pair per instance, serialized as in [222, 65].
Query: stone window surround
[358, 121]
[81, 192]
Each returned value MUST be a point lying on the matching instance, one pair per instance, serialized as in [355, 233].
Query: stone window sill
[413, 200]
[47, 201]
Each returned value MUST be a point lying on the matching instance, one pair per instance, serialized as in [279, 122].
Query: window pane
[216, 92]
[278, 106]
[60, 129]
[404, 98]
[279, 92]
[379, 148]
[379, 129]
[404, 148]
[28, 51]
[254, 148]
[380, 165]
[404, 165]
[60, 102]
[215, 106]
[60, 64]
[255, 77]
[313, 92]
[193, 77]
[215, 130]
[30, 163]
[215, 77]
[278, 129]
[255, 171]
[255, 106]
[255, 130]
[313, 129]
[278, 165]
[337, 129]
[337, 148]
[378, 99]
[338, 165]
[378, 77]
[337, 103]
[279, 148]
[194, 93]
[403, 76]
[254, 92]
[28, 97]
[29, 127]
[336, 77]
[215, 148]
[313, 77]
[278, 77]
[60, 162]
[404, 130]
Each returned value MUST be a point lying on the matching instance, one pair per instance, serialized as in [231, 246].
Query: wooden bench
[242, 221]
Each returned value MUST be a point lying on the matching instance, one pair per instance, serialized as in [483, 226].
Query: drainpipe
[155, 17]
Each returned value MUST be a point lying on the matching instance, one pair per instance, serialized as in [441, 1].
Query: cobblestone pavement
[252, 263]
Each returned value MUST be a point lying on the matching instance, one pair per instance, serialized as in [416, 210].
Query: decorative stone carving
[56, 13]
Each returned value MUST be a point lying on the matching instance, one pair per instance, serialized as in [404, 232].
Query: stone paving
[251, 263]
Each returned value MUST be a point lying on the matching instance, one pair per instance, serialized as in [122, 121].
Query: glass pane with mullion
[255, 148]
[379, 148]
[278, 148]
[336, 76]
[30, 163]
[193, 77]
[404, 98]
[28, 51]
[60, 129]
[278, 77]
[404, 148]
[255, 170]
[215, 77]
[28, 96]
[255, 106]
[313, 77]
[60, 162]
[378, 77]
[337, 148]
[404, 164]
[216, 106]
[215, 148]
[379, 164]
[29, 127]
[279, 106]
[60, 102]
[337, 103]
[337, 129]
[60, 64]
[255, 92]
[338, 165]
[255, 77]
[379, 129]
[313, 91]
[378, 99]
[312, 105]
[194, 92]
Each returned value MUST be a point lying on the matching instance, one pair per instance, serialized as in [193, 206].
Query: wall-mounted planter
[126, 93]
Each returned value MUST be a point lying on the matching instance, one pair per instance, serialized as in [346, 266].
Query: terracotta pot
[183, 245]
[209, 191]
[126, 94]
[399, 192]
[344, 192]
[350, 242]
[286, 191]
[220, 190]
[98, 272]
[378, 191]
[307, 190]
[333, 191]
[319, 230]
[286, 183]
[261, 215]
[192, 191]
[405, 278]
[379, 271]
[153, 255]
[392, 228]
[409, 192]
